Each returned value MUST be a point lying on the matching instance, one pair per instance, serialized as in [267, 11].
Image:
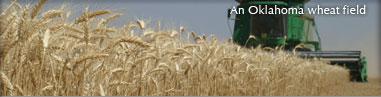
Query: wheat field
[48, 53]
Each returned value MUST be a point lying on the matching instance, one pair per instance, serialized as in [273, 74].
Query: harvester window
[268, 25]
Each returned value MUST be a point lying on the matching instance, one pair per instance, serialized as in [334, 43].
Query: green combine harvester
[291, 30]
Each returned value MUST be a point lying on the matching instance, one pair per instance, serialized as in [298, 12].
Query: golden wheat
[111, 17]
[91, 15]
[51, 14]
[64, 57]
[36, 8]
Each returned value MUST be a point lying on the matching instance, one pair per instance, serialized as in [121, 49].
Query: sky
[337, 32]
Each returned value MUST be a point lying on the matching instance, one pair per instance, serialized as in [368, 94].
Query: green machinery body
[290, 30]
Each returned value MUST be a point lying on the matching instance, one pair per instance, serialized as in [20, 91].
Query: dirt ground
[371, 88]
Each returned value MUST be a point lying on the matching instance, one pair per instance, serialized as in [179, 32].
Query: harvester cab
[290, 30]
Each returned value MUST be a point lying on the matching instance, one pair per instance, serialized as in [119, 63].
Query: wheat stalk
[5, 81]
[17, 5]
[45, 39]
[36, 8]
[20, 90]
[92, 56]
[47, 88]
[91, 15]
[133, 40]
[51, 14]
[111, 17]
[101, 91]
[74, 29]
[141, 24]
[73, 36]
[104, 30]
[158, 26]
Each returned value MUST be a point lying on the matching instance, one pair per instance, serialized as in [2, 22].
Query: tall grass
[47, 53]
